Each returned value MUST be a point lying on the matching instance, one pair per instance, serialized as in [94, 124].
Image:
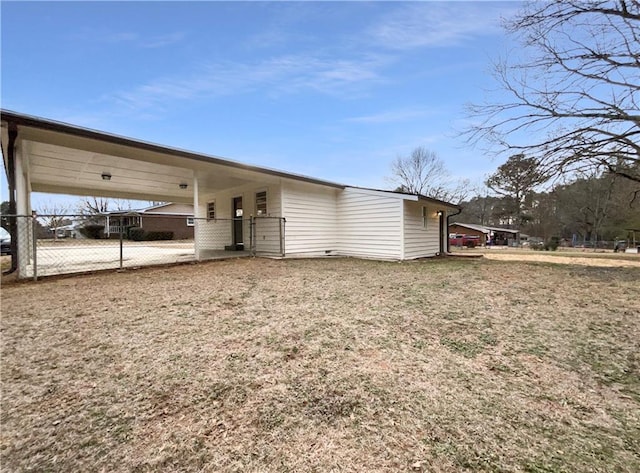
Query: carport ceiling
[58, 169]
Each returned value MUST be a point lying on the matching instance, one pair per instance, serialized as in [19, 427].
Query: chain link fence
[60, 244]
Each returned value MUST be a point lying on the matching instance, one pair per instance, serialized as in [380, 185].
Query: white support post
[196, 215]
[24, 232]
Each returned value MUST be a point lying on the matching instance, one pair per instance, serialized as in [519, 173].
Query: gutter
[448, 216]
[11, 177]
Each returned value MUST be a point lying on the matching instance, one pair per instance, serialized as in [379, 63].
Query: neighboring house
[233, 203]
[488, 235]
[469, 229]
[168, 217]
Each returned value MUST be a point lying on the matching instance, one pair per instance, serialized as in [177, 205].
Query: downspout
[11, 177]
[450, 215]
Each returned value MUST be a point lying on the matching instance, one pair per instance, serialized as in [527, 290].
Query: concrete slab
[86, 256]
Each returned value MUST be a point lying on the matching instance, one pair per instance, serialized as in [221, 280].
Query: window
[424, 217]
[261, 204]
[211, 210]
[190, 222]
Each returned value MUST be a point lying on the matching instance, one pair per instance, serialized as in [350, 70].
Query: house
[469, 229]
[487, 235]
[167, 217]
[235, 205]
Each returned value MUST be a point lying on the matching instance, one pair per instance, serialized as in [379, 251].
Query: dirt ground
[441, 365]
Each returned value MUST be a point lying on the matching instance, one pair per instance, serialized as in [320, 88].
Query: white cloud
[430, 24]
[118, 37]
[128, 37]
[276, 76]
[391, 116]
[163, 40]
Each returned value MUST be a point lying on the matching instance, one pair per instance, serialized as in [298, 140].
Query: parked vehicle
[619, 245]
[470, 241]
[5, 242]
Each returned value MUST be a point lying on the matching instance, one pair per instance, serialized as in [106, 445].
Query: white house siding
[216, 234]
[269, 232]
[369, 224]
[310, 213]
[211, 235]
[322, 220]
[418, 240]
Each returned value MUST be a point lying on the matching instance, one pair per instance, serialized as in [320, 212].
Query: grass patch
[324, 365]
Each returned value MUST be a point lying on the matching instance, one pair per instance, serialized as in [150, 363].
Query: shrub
[139, 234]
[92, 230]
[159, 236]
[552, 244]
[136, 234]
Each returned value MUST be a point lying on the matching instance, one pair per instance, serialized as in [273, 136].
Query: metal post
[121, 258]
[35, 248]
[252, 235]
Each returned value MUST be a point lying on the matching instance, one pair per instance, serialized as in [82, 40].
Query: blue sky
[334, 90]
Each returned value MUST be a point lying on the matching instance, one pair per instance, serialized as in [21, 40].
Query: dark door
[237, 221]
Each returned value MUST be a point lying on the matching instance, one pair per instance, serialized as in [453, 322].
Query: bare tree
[480, 208]
[53, 217]
[100, 205]
[93, 205]
[573, 95]
[423, 172]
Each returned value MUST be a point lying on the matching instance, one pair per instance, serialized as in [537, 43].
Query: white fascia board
[389, 194]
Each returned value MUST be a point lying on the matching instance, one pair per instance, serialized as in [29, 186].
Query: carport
[42, 155]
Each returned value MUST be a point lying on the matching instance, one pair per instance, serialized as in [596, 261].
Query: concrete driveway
[79, 256]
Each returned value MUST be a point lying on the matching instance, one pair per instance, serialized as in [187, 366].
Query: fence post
[34, 242]
[252, 231]
[120, 243]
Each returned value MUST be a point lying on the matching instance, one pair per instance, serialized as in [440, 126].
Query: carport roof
[54, 133]
[483, 228]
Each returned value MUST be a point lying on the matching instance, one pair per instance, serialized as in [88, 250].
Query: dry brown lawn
[560, 257]
[5, 262]
[326, 365]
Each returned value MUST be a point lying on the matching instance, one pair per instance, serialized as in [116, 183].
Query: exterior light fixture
[106, 176]
[439, 213]
[183, 185]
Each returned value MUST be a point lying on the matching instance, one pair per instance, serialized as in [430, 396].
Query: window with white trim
[261, 204]
[211, 210]
[425, 217]
[190, 221]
